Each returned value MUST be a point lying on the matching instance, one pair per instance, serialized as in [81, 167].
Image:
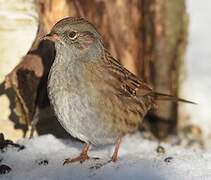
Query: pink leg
[81, 158]
[115, 154]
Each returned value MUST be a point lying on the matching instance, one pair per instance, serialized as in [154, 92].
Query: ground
[42, 158]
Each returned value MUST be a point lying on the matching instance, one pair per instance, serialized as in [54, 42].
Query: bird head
[76, 36]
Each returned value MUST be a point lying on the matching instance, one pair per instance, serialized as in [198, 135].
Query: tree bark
[165, 27]
[147, 36]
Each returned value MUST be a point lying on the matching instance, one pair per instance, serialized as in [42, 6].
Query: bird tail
[167, 97]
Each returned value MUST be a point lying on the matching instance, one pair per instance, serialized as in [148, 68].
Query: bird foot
[81, 159]
[113, 159]
[100, 165]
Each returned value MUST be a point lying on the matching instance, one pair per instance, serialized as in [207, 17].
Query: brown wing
[127, 100]
[130, 84]
[134, 86]
[130, 95]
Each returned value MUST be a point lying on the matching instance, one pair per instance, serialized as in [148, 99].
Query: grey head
[77, 38]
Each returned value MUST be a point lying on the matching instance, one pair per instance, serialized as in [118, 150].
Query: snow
[198, 83]
[138, 159]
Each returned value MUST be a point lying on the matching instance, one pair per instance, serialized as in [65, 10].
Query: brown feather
[135, 86]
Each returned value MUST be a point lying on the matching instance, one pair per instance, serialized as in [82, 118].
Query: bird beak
[51, 37]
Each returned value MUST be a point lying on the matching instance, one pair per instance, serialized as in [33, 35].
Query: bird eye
[72, 35]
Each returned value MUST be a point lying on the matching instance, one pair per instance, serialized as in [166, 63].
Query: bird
[94, 97]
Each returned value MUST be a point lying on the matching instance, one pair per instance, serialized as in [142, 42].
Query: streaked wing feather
[130, 83]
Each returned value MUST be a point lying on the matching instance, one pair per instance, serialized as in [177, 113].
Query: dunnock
[94, 97]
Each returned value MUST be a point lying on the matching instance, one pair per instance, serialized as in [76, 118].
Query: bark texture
[165, 27]
[147, 36]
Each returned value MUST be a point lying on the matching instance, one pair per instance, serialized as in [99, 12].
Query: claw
[81, 158]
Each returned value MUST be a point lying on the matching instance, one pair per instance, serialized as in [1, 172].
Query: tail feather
[167, 97]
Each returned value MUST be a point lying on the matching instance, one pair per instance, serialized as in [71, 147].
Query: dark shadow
[33, 91]
[47, 124]
[156, 124]
[12, 117]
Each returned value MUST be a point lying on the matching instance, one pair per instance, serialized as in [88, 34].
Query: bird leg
[115, 154]
[82, 157]
[84, 154]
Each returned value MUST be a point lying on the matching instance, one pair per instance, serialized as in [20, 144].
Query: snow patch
[43, 158]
